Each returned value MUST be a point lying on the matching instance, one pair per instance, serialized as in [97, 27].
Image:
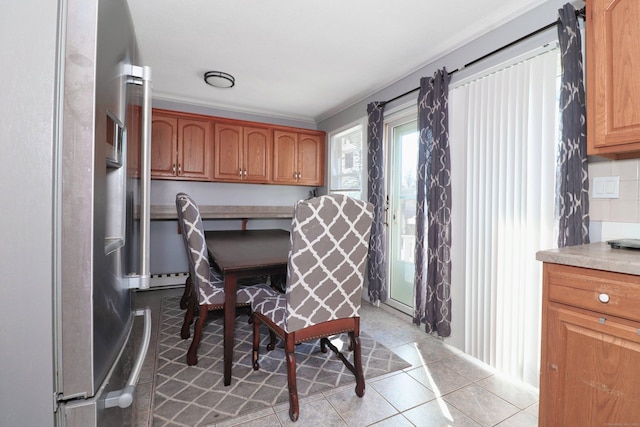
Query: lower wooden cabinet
[590, 364]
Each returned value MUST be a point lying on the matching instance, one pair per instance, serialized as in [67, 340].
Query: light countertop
[168, 212]
[597, 256]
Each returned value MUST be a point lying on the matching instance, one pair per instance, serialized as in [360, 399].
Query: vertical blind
[508, 120]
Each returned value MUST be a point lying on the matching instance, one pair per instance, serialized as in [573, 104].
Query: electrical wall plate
[606, 187]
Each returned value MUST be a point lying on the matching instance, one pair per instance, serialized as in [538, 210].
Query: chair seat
[245, 294]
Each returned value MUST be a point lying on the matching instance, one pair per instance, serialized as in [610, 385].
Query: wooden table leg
[230, 288]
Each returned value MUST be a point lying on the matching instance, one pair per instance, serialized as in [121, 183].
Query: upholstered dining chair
[207, 283]
[325, 277]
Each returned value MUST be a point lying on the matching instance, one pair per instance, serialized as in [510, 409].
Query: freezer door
[111, 405]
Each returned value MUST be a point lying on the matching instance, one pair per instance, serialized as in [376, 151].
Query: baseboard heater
[167, 280]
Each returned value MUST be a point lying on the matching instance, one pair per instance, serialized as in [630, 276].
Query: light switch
[606, 187]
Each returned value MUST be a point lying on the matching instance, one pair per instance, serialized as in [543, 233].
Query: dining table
[240, 254]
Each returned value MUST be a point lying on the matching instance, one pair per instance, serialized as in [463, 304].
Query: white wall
[28, 32]
[535, 19]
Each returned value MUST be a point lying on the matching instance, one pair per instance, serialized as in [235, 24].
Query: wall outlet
[606, 187]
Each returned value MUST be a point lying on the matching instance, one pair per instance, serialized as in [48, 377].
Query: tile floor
[442, 387]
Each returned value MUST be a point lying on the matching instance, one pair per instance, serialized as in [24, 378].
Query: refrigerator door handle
[123, 398]
[142, 75]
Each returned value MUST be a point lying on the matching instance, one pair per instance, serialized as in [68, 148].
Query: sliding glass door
[401, 195]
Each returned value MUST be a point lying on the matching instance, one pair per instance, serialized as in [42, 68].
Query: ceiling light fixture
[219, 79]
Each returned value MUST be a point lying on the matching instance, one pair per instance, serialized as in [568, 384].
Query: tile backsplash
[620, 217]
[626, 208]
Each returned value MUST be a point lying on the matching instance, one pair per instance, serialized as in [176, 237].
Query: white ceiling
[301, 59]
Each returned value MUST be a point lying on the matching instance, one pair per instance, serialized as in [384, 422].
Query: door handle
[124, 397]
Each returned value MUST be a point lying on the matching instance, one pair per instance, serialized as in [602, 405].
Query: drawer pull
[602, 320]
[604, 298]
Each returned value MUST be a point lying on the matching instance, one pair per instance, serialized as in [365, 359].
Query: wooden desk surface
[235, 250]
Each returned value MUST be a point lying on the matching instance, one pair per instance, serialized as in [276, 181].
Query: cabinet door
[164, 146]
[228, 152]
[613, 77]
[194, 149]
[257, 155]
[284, 157]
[310, 162]
[591, 370]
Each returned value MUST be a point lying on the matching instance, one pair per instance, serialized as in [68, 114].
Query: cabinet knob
[604, 298]
[173, 169]
[240, 172]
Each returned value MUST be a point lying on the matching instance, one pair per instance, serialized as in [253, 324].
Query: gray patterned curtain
[572, 180]
[433, 211]
[376, 268]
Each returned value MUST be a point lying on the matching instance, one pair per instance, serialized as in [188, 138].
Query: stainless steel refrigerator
[102, 214]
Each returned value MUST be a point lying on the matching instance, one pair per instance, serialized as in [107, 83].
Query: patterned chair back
[195, 246]
[327, 260]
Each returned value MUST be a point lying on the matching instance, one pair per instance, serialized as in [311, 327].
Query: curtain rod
[580, 13]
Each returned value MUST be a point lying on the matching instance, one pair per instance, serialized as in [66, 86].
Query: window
[348, 160]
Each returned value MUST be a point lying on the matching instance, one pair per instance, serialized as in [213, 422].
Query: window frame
[332, 139]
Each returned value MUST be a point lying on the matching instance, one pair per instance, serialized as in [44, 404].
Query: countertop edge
[596, 256]
[168, 212]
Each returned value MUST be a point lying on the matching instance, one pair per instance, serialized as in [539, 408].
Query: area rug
[195, 395]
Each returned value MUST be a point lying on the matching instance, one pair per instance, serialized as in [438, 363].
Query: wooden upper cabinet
[298, 158]
[285, 146]
[194, 149]
[613, 78]
[164, 145]
[201, 148]
[242, 154]
[258, 143]
[180, 147]
[227, 153]
[310, 159]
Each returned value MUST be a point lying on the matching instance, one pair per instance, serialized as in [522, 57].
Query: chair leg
[356, 367]
[186, 295]
[323, 345]
[357, 361]
[256, 342]
[294, 409]
[192, 354]
[272, 340]
[188, 317]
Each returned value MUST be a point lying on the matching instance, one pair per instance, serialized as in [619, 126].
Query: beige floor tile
[514, 393]
[480, 405]
[521, 419]
[402, 391]
[439, 378]
[360, 412]
[312, 414]
[438, 413]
